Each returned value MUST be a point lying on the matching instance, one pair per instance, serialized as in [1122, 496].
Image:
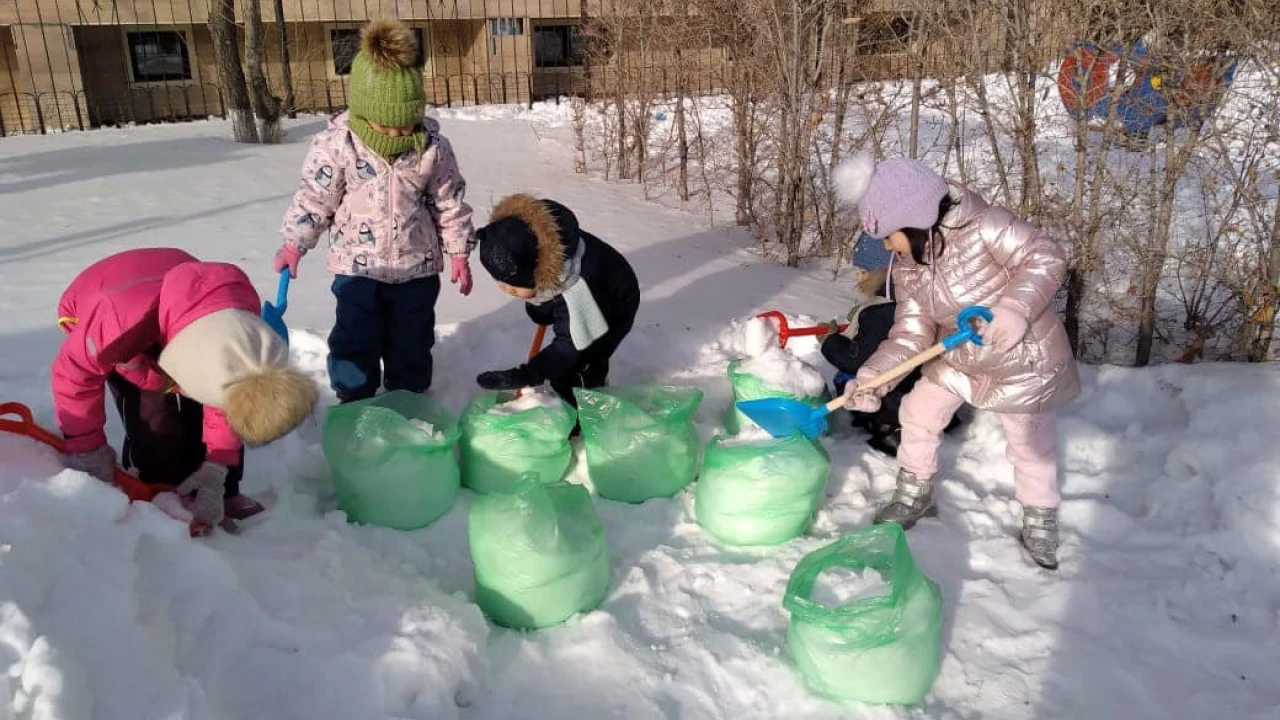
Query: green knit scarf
[387, 146]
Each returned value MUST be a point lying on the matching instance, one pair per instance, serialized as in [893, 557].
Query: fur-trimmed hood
[527, 242]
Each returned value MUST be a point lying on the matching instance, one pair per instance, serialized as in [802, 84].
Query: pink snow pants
[1031, 438]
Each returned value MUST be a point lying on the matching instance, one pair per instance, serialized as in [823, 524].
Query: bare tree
[235, 94]
[266, 106]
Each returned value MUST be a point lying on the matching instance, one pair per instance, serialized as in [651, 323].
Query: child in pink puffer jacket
[956, 250]
[194, 372]
[385, 183]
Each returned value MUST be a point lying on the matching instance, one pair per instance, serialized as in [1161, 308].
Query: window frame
[192, 68]
[519, 24]
[575, 40]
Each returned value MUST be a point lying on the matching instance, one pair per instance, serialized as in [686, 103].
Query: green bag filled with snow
[768, 371]
[393, 459]
[539, 553]
[866, 624]
[755, 490]
[504, 437]
[640, 439]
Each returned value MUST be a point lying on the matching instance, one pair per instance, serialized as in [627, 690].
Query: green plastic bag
[387, 470]
[640, 439]
[497, 448]
[760, 493]
[749, 387]
[539, 553]
[882, 650]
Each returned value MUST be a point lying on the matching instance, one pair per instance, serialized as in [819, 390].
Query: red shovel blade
[133, 488]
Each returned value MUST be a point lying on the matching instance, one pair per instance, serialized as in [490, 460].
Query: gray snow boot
[1040, 535]
[912, 500]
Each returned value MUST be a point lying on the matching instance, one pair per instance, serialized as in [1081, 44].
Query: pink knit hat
[894, 194]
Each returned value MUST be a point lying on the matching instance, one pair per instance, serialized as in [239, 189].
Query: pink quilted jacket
[389, 221]
[988, 255]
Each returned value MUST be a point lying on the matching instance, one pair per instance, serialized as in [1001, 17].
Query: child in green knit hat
[384, 182]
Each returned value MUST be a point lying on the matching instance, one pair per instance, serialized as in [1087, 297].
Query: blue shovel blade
[782, 417]
[273, 314]
[275, 320]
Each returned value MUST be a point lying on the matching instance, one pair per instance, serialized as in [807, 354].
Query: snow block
[503, 438]
[640, 439]
[747, 386]
[882, 650]
[393, 459]
[760, 492]
[539, 553]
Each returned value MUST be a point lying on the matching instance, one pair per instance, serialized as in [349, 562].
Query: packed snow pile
[111, 611]
[506, 438]
[751, 338]
[779, 369]
[755, 342]
[760, 493]
[530, 399]
[426, 428]
[753, 435]
[839, 586]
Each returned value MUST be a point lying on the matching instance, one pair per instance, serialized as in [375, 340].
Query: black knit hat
[509, 251]
[527, 241]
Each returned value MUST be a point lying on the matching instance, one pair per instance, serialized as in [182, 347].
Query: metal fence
[79, 109]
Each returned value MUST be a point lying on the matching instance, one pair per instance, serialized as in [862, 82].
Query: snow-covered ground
[1167, 604]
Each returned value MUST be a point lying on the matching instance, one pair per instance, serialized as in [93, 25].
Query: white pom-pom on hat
[852, 177]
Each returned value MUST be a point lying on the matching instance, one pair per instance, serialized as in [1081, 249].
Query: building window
[345, 43]
[885, 34]
[503, 27]
[158, 56]
[557, 46]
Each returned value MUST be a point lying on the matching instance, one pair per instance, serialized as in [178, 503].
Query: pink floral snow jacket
[988, 255]
[391, 222]
[118, 313]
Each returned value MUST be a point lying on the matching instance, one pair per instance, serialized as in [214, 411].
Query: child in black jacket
[870, 321]
[570, 280]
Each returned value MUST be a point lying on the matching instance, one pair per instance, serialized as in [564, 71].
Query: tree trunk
[235, 95]
[265, 105]
[584, 18]
[682, 132]
[286, 72]
[1264, 318]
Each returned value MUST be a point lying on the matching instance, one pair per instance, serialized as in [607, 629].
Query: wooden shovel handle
[889, 375]
[538, 337]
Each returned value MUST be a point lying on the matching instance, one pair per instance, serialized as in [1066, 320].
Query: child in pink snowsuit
[955, 250]
[385, 183]
[194, 371]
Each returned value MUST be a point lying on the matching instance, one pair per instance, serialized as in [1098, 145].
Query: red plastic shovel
[132, 487]
[786, 332]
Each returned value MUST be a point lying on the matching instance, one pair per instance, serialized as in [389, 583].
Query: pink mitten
[288, 257]
[461, 272]
[1007, 327]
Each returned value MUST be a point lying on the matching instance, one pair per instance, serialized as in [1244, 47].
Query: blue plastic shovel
[273, 315]
[783, 417]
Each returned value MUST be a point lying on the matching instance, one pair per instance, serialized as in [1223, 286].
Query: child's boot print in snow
[1040, 535]
[912, 500]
